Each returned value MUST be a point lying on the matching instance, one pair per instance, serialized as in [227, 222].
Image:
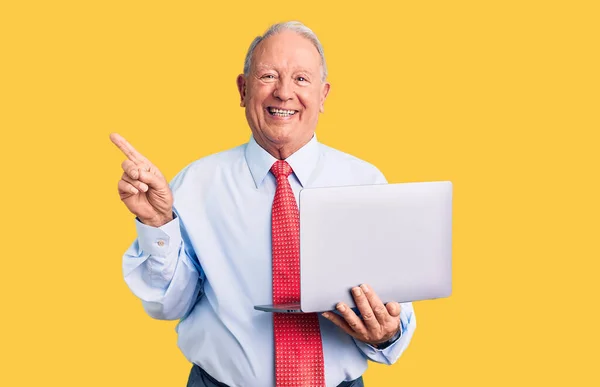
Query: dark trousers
[199, 378]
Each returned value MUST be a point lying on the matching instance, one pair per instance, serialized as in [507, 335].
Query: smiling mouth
[281, 112]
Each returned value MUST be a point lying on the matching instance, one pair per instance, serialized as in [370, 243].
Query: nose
[284, 90]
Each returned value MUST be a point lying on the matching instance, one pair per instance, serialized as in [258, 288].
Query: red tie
[298, 348]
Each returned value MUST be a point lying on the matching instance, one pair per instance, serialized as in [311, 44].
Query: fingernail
[364, 288]
[356, 291]
[326, 315]
[134, 174]
[144, 187]
[133, 190]
[341, 307]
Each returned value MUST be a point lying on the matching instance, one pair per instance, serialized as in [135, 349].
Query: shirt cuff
[159, 241]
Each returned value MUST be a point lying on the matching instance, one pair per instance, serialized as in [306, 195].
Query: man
[231, 240]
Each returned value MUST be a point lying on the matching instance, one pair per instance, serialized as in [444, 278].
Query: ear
[241, 85]
[324, 93]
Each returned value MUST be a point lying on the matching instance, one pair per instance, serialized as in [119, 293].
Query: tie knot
[281, 168]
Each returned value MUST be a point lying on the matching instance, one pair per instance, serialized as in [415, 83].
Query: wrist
[158, 220]
[390, 341]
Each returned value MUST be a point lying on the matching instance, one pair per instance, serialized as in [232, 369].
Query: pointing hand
[142, 187]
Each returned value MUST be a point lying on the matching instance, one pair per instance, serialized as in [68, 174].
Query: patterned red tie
[298, 348]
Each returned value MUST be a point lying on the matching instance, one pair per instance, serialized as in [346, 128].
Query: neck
[281, 151]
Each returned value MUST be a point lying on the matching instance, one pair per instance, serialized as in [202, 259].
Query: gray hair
[295, 26]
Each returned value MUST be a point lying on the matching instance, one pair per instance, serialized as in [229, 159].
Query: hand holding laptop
[378, 322]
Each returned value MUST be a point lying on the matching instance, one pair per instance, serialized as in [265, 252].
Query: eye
[301, 79]
[268, 76]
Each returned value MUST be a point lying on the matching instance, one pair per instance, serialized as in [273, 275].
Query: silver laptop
[395, 237]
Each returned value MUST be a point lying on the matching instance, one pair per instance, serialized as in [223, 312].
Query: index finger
[125, 147]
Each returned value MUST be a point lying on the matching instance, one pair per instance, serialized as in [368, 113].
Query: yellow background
[500, 97]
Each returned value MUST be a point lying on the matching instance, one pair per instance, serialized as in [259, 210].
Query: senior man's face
[283, 93]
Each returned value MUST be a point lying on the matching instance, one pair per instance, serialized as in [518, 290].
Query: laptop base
[280, 308]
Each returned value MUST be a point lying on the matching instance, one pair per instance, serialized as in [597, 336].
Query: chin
[283, 134]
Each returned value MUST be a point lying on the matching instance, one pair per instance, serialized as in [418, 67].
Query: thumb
[154, 181]
[393, 309]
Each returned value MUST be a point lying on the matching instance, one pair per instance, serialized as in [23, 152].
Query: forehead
[287, 50]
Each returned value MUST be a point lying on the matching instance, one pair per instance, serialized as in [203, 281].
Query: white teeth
[281, 112]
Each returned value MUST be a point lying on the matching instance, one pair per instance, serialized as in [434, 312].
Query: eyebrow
[260, 67]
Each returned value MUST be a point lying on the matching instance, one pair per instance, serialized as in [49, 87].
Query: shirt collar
[303, 161]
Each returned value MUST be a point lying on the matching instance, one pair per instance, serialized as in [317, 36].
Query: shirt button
[161, 243]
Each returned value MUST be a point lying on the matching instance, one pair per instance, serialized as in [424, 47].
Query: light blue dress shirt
[212, 263]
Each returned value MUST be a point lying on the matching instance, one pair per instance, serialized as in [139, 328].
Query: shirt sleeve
[389, 355]
[160, 270]
[379, 177]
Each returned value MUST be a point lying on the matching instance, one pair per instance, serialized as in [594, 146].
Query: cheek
[254, 106]
[260, 93]
[310, 101]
